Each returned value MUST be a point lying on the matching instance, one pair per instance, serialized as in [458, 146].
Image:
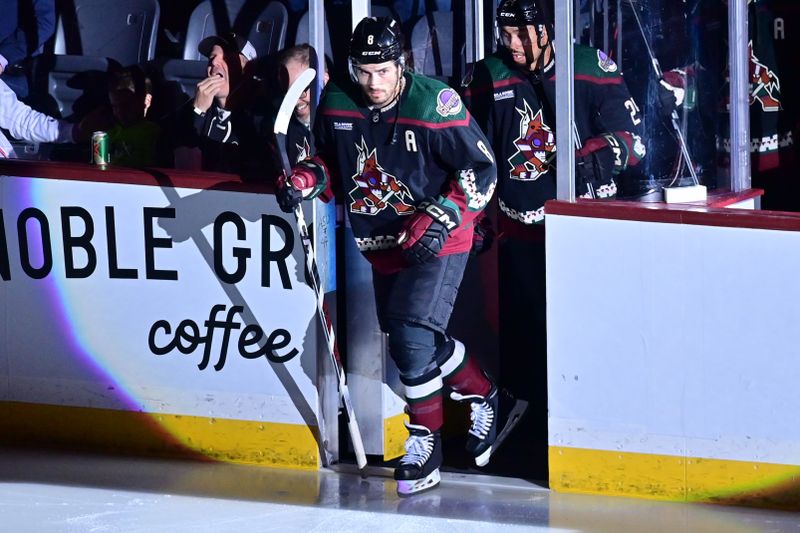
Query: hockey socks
[460, 372]
[424, 399]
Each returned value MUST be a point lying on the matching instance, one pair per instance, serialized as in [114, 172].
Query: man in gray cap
[222, 119]
[227, 56]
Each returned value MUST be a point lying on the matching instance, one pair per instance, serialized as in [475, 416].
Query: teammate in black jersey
[414, 170]
[512, 96]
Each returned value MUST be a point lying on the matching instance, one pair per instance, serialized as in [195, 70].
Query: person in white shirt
[24, 123]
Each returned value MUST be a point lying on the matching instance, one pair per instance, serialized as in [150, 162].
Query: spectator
[133, 140]
[25, 25]
[224, 119]
[295, 61]
[25, 124]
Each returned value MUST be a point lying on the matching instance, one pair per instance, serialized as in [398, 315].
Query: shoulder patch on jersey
[503, 95]
[448, 102]
[605, 63]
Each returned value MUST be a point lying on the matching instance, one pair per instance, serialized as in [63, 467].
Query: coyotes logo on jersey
[764, 84]
[536, 147]
[303, 151]
[375, 189]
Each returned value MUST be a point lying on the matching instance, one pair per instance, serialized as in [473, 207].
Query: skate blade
[407, 487]
[513, 417]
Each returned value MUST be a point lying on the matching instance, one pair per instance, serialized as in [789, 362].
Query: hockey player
[414, 171]
[512, 96]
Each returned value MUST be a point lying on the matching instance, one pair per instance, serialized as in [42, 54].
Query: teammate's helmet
[520, 13]
[376, 40]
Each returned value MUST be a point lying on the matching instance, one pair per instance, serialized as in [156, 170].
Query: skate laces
[418, 448]
[482, 415]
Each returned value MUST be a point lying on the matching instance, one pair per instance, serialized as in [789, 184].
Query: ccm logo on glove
[428, 229]
[445, 216]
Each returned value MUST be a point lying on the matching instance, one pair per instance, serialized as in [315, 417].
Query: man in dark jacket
[224, 117]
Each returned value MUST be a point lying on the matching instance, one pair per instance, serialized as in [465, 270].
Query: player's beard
[381, 98]
[519, 57]
[528, 58]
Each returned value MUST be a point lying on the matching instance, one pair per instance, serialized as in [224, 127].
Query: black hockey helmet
[520, 13]
[376, 40]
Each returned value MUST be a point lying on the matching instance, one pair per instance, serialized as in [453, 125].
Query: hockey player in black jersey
[414, 170]
[512, 96]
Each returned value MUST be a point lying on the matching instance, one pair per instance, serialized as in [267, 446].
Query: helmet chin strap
[537, 73]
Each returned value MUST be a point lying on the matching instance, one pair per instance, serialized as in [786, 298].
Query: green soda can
[100, 155]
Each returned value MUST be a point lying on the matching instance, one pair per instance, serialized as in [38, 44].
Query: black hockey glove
[303, 183]
[288, 197]
[593, 171]
[482, 235]
[428, 229]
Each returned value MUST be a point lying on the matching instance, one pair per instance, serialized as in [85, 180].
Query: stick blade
[290, 100]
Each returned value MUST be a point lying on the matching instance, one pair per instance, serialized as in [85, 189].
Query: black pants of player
[414, 308]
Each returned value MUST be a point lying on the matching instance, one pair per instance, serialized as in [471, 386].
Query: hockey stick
[312, 277]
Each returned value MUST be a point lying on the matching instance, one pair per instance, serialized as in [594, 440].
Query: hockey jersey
[384, 163]
[518, 115]
[771, 129]
[299, 144]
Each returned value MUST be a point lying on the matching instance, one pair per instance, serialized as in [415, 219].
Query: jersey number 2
[631, 106]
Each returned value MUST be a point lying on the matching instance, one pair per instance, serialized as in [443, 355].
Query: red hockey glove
[428, 229]
[482, 235]
[302, 184]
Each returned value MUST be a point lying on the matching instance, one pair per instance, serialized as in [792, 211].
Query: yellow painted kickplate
[394, 436]
[237, 441]
[666, 477]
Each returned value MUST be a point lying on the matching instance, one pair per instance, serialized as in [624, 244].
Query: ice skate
[493, 417]
[419, 467]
